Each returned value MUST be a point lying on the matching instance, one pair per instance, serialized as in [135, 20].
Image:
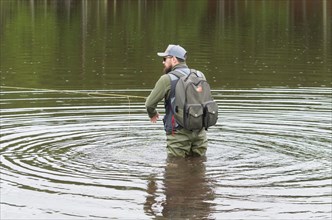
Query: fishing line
[94, 94]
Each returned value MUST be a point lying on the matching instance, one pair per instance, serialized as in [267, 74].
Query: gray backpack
[194, 107]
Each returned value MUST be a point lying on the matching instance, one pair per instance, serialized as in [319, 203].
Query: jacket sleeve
[159, 91]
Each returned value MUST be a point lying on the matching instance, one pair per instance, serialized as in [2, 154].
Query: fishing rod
[95, 94]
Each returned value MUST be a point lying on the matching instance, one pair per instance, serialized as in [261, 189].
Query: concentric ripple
[66, 155]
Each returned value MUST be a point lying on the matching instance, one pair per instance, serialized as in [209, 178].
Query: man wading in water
[180, 141]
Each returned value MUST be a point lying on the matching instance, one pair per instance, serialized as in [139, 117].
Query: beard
[167, 69]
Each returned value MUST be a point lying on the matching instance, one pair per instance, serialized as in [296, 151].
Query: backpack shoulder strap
[179, 73]
[173, 76]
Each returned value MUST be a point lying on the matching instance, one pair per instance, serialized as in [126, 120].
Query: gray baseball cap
[174, 50]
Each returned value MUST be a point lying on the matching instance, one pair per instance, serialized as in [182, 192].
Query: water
[74, 156]
[76, 142]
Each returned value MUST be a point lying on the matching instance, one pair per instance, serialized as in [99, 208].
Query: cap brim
[162, 54]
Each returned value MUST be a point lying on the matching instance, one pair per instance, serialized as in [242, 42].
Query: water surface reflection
[236, 44]
[186, 193]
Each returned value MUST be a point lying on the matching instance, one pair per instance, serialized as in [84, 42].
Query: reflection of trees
[96, 41]
[187, 191]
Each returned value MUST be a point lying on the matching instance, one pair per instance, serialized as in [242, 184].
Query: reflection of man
[187, 190]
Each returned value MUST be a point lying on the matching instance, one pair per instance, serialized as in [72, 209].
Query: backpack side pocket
[210, 114]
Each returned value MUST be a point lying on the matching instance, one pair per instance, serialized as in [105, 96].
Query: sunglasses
[165, 58]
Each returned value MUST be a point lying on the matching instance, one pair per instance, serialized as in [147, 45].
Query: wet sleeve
[159, 91]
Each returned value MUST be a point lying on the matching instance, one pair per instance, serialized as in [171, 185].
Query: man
[180, 142]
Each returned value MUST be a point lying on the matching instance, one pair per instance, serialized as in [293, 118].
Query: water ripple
[70, 155]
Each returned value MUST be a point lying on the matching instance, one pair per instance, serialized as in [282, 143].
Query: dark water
[76, 142]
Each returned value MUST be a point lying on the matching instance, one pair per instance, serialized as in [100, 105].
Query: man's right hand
[154, 118]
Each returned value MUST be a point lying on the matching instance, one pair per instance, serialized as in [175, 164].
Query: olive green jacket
[161, 90]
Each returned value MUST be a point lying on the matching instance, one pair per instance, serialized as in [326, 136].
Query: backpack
[194, 107]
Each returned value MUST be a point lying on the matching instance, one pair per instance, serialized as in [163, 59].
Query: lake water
[76, 142]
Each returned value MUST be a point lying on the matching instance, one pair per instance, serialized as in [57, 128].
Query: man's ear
[174, 60]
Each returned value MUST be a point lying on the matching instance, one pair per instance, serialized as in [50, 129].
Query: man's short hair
[180, 60]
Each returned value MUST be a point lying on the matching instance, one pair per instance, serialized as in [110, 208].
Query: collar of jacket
[180, 65]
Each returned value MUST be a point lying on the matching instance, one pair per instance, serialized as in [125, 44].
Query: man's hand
[154, 118]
